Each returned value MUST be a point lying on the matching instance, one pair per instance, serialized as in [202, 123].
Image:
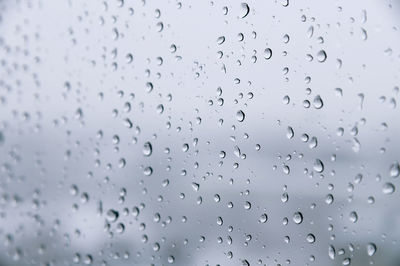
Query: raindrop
[112, 215]
[318, 166]
[297, 218]
[247, 205]
[289, 133]
[286, 99]
[171, 259]
[240, 116]
[371, 249]
[221, 40]
[310, 238]
[388, 188]
[353, 217]
[331, 252]
[321, 56]
[317, 102]
[395, 169]
[244, 10]
[147, 149]
[267, 53]
[263, 218]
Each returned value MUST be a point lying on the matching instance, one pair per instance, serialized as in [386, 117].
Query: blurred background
[199, 132]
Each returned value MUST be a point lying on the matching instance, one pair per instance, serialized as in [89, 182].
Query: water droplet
[284, 197]
[286, 169]
[221, 40]
[371, 249]
[297, 217]
[247, 205]
[147, 149]
[112, 215]
[321, 56]
[289, 133]
[346, 261]
[195, 186]
[220, 222]
[148, 171]
[267, 53]
[171, 259]
[364, 35]
[318, 166]
[286, 99]
[263, 218]
[331, 252]
[353, 217]
[395, 169]
[388, 188]
[310, 238]
[240, 116]
[244, 10]
[329, 199]
[317, 102]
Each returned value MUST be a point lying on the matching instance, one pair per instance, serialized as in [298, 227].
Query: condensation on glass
[199, 132]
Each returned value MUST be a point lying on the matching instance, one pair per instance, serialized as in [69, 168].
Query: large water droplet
[388, 188]
[317, 102]
[318, 166]
[321, 56]
[353, 217]
[244, 10]
[310, 238]
[147, 149]
[395, 169]
[331, 252]
[240, 116]
[112, 215]
[263, 218]
[371, 249]
[297, 217]
[267, 53]
[290, 133]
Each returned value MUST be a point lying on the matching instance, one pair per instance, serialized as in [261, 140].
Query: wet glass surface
[199, 132]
